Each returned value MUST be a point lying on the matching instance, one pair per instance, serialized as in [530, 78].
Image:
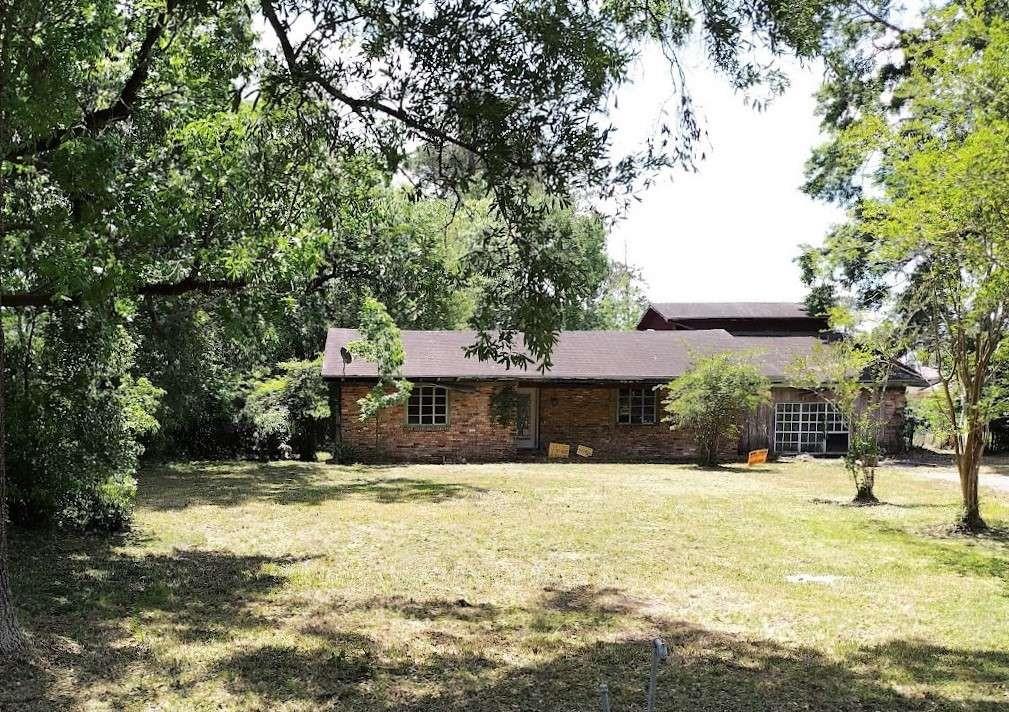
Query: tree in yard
[919, 154]
[288, 408]
[157, 150]
[851, 377]
[711, 399]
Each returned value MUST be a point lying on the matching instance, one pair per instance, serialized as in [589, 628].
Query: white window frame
[637, 401]
[806, 427]
[427, 406]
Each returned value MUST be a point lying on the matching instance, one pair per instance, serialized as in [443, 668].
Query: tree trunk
[13, 643]
[12, 640]
[968, 464]
[864, 495]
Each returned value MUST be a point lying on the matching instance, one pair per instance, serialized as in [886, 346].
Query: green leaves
[287, 409]
[382, 345]
[711, 399]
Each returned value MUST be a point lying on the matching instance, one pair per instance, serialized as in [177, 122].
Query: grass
[517, 587]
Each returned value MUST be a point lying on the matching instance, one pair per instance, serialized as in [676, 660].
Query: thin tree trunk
[13, 643]
[12, 640]
[968, 464]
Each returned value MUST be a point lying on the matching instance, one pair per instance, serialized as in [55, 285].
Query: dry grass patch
[504, 587]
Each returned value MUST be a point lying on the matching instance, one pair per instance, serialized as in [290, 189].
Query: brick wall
[470, 435]
[587, 415]
[577, 415]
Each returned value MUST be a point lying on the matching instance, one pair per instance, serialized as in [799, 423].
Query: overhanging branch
[24, 300]
[120, 109]
[355, 104]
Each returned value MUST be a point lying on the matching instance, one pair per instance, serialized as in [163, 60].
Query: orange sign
[757, 457]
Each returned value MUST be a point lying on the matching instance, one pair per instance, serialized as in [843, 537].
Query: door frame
[534, 420]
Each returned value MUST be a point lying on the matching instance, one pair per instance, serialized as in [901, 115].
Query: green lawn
[518, 587]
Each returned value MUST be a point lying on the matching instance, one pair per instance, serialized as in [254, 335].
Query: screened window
[809, 427]
[636, 406]
[428, 405]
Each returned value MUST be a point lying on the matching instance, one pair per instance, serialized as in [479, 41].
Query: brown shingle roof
[577, 356]
[731, 310]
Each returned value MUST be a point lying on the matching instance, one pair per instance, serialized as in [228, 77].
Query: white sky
[731, 231]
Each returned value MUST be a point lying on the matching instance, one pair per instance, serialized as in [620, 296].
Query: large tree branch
[357, 105]
[23, 300]
[124, 104]
[878, 19]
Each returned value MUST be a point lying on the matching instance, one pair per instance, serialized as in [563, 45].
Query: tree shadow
[966, 556]
[176, 487]
[327, 667]
[709, 670]
[432, 609]
[924, 662]
[882, 503]
[591, 599]
[285, 672]
[79, 594]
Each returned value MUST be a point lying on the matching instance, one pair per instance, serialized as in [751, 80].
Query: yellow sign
[757, 457]
[584, 451]
[559, 450]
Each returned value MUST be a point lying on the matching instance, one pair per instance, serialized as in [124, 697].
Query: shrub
[76, 418]
[711, 399]
[289, 409]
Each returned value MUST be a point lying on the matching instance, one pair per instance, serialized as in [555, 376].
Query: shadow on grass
[232, 484]
[923, 662]
[284, 672]
[432, 609]
[708, 671]
[882, 503]
[90, 595]
[84, 598]
[592, 599]
[980, 556]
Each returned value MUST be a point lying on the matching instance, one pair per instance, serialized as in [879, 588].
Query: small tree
[919, 155]
[711, 399]
[851, 376]
[288, 409]
[381, 344]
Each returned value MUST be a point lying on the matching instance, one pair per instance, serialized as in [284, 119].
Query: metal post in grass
[604, 698]
[659, 653]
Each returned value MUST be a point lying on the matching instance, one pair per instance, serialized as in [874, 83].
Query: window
[809, 427]
[636, 406]
[428, 405]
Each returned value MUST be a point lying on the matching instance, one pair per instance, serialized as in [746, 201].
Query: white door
[526, 417]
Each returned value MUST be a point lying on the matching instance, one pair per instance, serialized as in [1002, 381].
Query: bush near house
[712, 398]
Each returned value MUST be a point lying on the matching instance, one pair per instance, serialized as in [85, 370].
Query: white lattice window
[809, 427]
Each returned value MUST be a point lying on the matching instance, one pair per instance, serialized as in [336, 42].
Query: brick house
[600, 391]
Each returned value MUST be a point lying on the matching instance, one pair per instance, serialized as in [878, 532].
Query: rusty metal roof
[577, 356]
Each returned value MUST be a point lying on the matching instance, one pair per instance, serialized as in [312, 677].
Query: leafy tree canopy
[157, 149]
[919, 153]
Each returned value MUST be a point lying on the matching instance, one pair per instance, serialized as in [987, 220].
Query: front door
[526, 417]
